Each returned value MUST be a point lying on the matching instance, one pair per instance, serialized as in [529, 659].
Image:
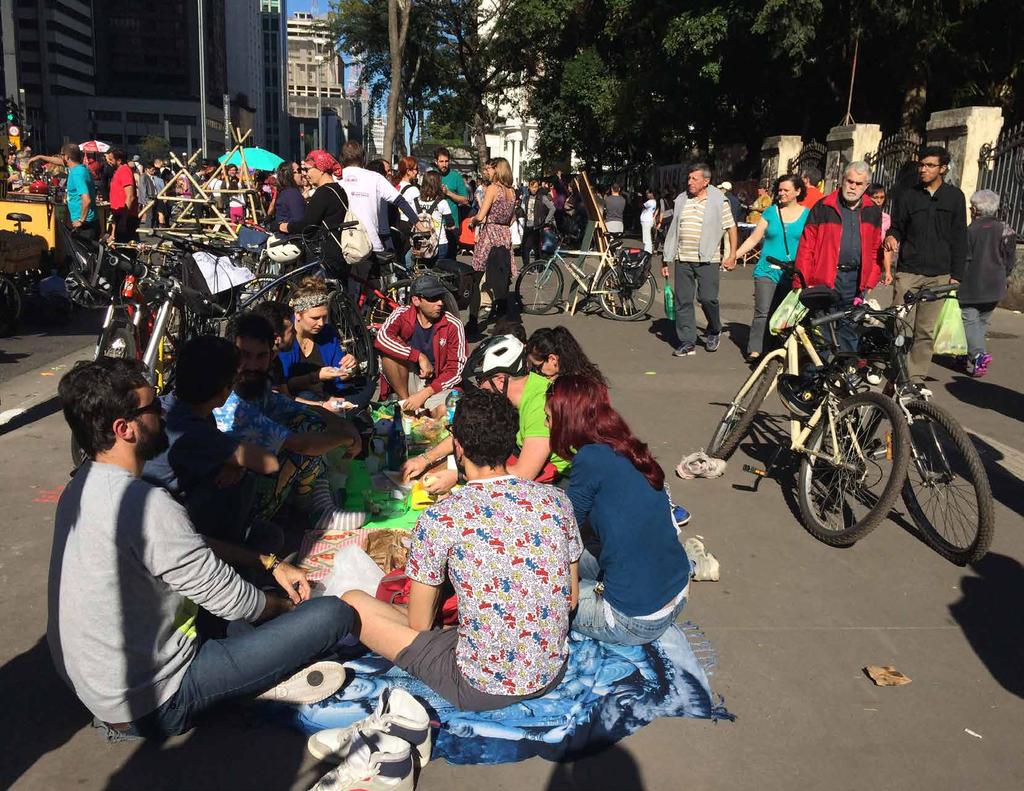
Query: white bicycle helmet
[283, 251]
[502, 354]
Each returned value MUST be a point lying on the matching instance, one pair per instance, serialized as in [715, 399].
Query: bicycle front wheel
[539, 286]
[740, 414]
[947, 491]
[621, 301]
[853, 467]
[356, 340]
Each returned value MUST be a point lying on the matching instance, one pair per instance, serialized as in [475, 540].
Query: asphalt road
[793, 622]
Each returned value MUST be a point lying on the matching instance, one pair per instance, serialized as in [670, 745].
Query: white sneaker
[310, 685]
[699, 465]
[377, 762]
[705, 565]
[398, 714]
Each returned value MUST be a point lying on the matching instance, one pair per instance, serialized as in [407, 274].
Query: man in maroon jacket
[423, 348]
[841, 246]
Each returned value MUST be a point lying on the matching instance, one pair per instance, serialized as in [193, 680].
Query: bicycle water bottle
[670, 303]
[450, 403]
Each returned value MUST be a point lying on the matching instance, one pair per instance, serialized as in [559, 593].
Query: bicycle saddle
[19, 217]
[819, 298]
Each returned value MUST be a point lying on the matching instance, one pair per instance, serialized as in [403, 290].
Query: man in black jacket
[929, 228]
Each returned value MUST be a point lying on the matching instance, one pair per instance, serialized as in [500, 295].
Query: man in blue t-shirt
[81, 190]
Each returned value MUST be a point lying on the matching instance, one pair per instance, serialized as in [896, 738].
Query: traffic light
[13, 122]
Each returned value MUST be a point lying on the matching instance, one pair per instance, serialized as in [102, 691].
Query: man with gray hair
[841, 246]
[990, 260]
[694, 243]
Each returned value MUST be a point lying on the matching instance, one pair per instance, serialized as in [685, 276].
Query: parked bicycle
[853, 445]
[622, 283]
[947, 491]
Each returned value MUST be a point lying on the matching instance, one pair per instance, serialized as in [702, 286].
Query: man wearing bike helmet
[499, 365]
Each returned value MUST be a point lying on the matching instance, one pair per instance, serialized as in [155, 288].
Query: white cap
[725, 185]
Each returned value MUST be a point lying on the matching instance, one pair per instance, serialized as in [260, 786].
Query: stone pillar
[776, 151]
[846, 144]
[963, 132]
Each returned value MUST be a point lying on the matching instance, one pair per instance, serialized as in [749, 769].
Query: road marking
[9, 415]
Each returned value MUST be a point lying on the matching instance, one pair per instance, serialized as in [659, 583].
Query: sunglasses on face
[154, 407]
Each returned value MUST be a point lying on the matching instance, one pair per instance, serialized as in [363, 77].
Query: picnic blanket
[608, 692]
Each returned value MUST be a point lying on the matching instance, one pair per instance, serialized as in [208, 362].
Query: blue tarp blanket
[608, 692]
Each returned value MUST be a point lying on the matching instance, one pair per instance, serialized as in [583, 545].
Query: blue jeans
[847, 333]
[976, 320]
[250, 660]
[590, 617]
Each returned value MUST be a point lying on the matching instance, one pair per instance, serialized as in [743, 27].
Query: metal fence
[894, 162]
[1001, 169]
[811, 155]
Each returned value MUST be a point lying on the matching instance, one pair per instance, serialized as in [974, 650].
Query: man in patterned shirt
[510, 547]
[694, 242]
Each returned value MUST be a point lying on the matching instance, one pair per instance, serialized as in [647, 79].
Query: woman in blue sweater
[636, 586]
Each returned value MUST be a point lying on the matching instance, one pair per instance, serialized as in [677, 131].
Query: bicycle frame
[798, 431]
[587, 283]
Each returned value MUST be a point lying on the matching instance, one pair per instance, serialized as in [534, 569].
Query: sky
[323, 6]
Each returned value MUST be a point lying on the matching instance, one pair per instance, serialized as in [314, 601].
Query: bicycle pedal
[755, 471]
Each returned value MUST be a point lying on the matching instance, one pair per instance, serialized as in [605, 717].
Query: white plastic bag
[353, 570]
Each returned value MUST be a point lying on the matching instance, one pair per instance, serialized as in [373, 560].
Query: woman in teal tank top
[780, 227]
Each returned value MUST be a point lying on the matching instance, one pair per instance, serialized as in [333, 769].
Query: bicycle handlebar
[171, 287]
[859, 312]
[928, 294]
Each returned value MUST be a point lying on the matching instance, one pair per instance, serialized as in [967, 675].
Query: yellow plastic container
[420, 498]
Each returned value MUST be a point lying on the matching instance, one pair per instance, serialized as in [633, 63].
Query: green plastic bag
[788, 314]
[670, 303]
[950, 338]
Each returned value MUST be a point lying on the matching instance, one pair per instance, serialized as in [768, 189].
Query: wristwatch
[270, 562]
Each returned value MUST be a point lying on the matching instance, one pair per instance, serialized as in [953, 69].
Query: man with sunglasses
[128, 573]
[422, 348]
[929, 229]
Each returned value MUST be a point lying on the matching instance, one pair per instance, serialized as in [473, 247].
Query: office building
[273, 28]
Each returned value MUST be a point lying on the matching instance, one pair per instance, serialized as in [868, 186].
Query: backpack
[354, 242]
[424, 232]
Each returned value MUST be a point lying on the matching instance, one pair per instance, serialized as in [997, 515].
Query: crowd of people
[169, 592]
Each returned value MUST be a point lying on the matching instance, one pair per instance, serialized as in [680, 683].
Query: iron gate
[811, 155]
[894, 163]
[1001, 169]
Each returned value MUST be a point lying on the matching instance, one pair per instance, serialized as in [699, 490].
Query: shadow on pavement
[40, 712]
[664, 330]
[1006, 487]
[232, 747]
[988, 395]
[992, 619]
[614, 769]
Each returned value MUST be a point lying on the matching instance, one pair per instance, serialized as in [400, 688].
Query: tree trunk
[480, 139]
[914, 98]
[398, 30]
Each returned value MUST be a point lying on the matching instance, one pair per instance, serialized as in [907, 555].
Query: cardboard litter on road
[886, 676]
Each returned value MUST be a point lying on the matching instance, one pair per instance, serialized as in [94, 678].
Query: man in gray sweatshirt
[128, 573]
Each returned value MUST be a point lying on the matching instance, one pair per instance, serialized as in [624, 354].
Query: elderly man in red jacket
[423, 348]
[841, 246]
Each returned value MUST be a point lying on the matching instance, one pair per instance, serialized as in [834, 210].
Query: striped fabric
[690, 223]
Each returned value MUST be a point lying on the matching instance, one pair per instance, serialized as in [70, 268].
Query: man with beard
[453, 186]
[422, 348]
[128, 572]
[300, 437]
[841, 246]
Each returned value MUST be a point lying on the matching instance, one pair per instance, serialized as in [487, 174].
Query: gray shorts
[431, 658]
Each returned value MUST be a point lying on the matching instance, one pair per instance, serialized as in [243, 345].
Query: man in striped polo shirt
[694, 243]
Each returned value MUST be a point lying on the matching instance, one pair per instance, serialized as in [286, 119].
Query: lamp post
[202, 82]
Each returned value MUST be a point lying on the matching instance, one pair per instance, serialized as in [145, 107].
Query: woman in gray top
[614, 208]
[991, 247]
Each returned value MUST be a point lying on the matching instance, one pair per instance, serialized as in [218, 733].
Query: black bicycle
[947, 491]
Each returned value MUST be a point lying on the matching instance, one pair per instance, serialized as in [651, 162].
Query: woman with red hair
[636, 587]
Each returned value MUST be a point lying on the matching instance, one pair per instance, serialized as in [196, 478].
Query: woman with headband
[327, 207]
[315, 366]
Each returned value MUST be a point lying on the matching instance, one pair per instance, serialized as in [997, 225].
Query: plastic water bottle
[450, 403]
[670, 303]
[396, 452]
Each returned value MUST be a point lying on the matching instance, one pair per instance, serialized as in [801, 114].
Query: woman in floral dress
[493, 221]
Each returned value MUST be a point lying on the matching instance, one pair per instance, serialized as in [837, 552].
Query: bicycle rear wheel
[844, 499]
[740, 414]
[10, 306]
[621, 301]
[539, 286]
[947, 492]
[355, 339]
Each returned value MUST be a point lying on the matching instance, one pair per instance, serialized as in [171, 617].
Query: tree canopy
[626, 83]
